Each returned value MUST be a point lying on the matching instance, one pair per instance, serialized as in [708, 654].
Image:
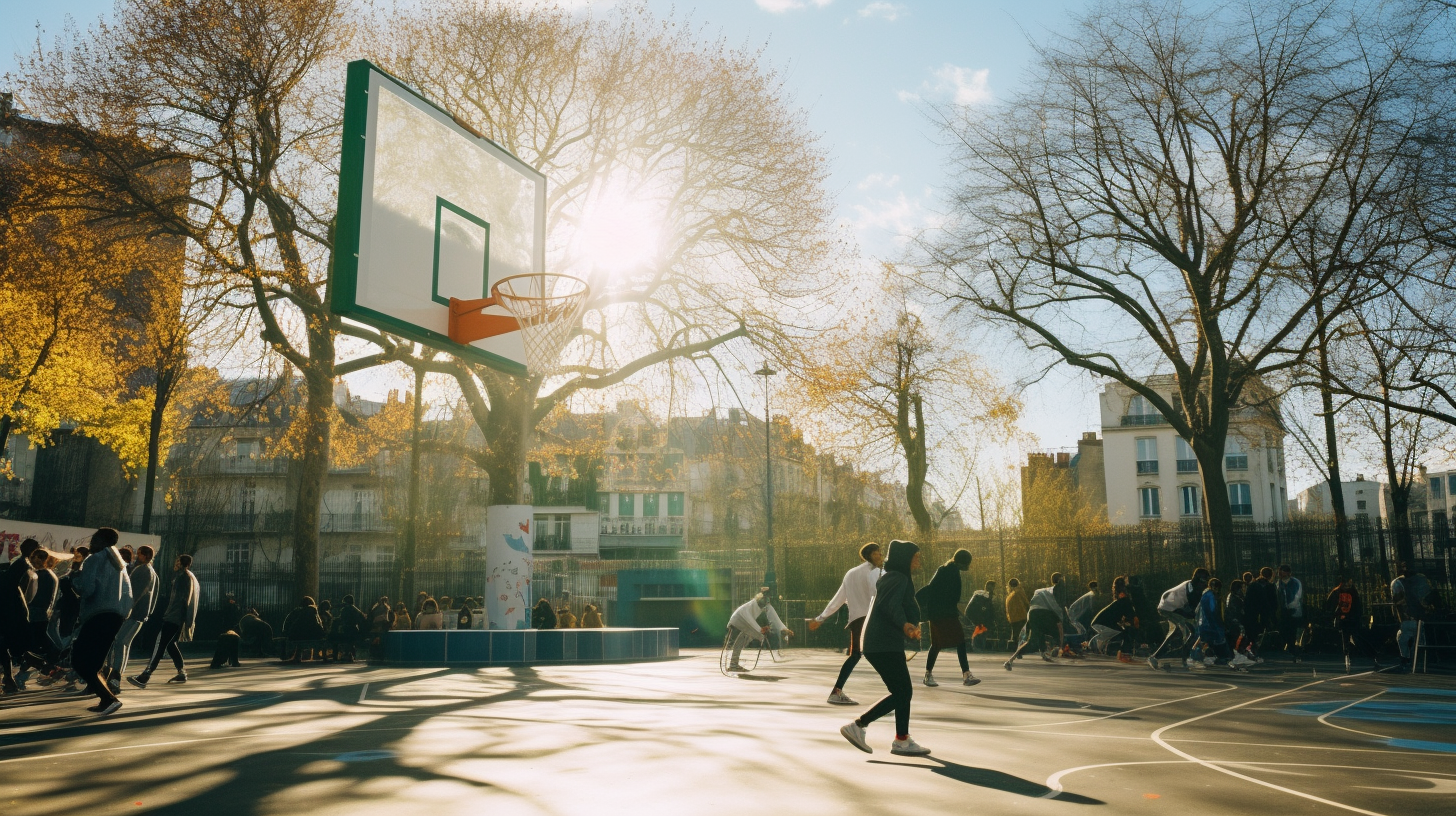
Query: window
[553, 532]
[1187, 459]
[627, 504]
[1147, 454]
[239, 552]
[1150, 506]
[650, 504]
[1235, 456]
[1436, 485]
[1138, 406]
[248, 501]
[1191, 500]
[1241, 502]
[1360, 506]
[1451, 484]
[1139, 412]
[674, 504]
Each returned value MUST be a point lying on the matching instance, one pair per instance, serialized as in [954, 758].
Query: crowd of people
[1198, 621]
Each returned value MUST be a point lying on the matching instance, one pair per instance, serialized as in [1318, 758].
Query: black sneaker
[179, 679]
[139, 680]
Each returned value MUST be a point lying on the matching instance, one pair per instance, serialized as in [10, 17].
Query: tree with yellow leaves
[882, 385]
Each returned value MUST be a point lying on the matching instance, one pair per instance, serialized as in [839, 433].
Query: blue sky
[863, 69]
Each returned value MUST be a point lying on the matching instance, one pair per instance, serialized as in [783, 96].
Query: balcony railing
[1187, 465]
[552, 543]
[664, 525]
[1129, 420]
[1147, 467]
[244, 465]
[1236, 462]
[353, 523]
[1241, 509]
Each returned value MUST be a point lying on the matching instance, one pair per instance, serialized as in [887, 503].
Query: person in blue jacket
[893, 619]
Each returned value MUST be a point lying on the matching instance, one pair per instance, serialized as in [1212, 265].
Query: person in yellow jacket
[1018, 604]
[591, 618]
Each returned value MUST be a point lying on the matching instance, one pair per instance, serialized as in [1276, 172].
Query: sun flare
[619, 232]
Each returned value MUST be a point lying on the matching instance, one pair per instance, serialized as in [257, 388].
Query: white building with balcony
[1153, 474]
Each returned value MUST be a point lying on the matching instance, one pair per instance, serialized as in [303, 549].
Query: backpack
[978, 611]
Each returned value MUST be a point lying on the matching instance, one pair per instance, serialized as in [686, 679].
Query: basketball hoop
[544, 307]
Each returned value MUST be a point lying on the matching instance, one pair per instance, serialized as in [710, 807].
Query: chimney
[1063, 458]
[1089, 436]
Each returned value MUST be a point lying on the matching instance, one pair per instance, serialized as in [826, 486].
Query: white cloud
[969, 86]
[879, 180]
[781, 6]
[963, 86]
[888, 11]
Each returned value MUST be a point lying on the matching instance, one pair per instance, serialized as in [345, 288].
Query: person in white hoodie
[745, 623]
[855, 592]
[105, 592]
[178, 623]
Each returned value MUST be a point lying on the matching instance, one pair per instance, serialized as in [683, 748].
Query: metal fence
[809, 572]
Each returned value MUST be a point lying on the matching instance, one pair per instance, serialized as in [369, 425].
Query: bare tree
[1135, 211]
[636, 124]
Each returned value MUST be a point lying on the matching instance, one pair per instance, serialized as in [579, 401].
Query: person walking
[106, 598]
[1235, 615]
[856, 589]
[17, 588]
[1261, 605]
[1410, 592]
[892, 620]
[1045, 621]
[1212, 632]
[178, 623]
[744, 622]
[1114, 623]
[144, 601]
[979, 611]
[1347, 613]
[940, 603]
[1291, 619]
[1018, 604]
[1178, 609]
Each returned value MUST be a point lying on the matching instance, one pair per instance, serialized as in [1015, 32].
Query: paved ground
[679, 738]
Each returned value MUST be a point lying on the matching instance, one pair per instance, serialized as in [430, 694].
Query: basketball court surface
[678, 737]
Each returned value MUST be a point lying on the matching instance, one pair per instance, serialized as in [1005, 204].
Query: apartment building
[1153, 475]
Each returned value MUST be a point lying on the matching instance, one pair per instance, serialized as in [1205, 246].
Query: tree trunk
[1399, 489]
[1219, 524]
[5, 423]
[1332, 452]
[314, 469]
[163, 396]
[511, 400]
[917, 466]
[410, 546]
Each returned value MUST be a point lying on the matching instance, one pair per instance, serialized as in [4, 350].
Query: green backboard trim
[344, 272]
[442, 204]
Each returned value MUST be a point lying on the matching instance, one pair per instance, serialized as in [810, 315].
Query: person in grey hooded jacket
[105, 592]
[178, 623]
[144, 601]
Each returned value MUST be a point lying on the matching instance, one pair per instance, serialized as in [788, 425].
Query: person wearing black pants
[892, 619]
[106, 598]
[855, 592]
[941, 600]
[177, 623]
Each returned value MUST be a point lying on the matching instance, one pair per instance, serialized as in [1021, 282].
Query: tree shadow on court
[996, 780]
[1045, 702]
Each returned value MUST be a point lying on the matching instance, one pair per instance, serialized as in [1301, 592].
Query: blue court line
[1428, 692]
[1381, 711]
[1423, 745]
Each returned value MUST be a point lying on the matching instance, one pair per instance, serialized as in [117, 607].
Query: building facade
[1153, 475]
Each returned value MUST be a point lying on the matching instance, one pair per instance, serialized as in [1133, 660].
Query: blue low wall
[473, 647]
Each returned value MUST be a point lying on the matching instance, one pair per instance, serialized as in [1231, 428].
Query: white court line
[1227, 687]
[1324, 721]
[1055, 780]
[1157, 736]
[363, 691]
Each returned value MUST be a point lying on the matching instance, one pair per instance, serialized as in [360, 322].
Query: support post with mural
[508, 564]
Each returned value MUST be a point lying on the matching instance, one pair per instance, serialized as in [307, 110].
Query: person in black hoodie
[892, 620]
[1261, 608]
[941, 599]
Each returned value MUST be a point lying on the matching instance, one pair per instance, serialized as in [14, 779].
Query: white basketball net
[549, 309]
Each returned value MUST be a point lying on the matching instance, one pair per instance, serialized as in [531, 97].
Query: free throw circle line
[1324, 721]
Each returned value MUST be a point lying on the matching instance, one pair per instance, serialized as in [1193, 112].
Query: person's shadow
[996, 780]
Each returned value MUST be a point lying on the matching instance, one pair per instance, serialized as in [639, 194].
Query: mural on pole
[508, 563]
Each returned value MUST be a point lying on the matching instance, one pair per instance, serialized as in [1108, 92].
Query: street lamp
[770, 577]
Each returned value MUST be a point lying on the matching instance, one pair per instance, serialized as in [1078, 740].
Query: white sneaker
[856, 736]
[929, 680]
[1007, 665]
[970, 679]
[908, 747]
[1189, 663]
[733, 668]
[1240, 661]
[840, 698]
[1209, 661]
